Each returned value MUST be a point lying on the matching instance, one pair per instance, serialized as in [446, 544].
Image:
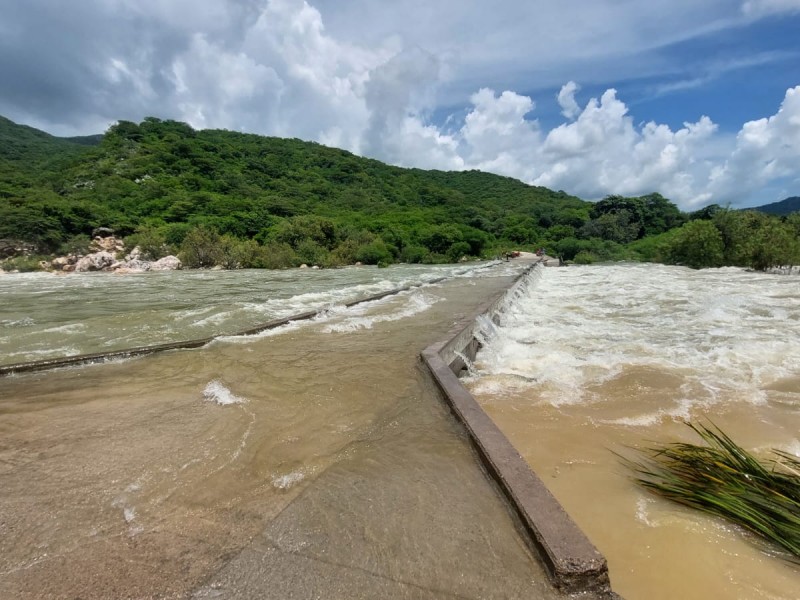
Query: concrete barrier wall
[572, 561]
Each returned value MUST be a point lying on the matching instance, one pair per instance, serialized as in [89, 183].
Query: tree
[737, 229]
[698, 244]
[775, 245]
[201, 248]
[659, 215]
[618, 226]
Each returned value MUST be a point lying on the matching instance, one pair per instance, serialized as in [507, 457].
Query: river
[269, 465]
[596, 360]
[47, 316]
[313, 460]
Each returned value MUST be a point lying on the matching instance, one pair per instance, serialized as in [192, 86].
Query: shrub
[373, 253]
[584, 258]
[311, 253]
[201, 248]
[152, 242]
[77, 244]
[457, 251]
[697, 244]
[23, 264]
[277, 255]
[413, 254]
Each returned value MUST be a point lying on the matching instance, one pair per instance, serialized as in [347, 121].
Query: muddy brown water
[317, 461]
[605, 359]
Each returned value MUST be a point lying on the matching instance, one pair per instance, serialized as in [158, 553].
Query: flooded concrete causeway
[312, 461]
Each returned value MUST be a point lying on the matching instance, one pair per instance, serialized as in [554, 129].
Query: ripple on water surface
[42, 314]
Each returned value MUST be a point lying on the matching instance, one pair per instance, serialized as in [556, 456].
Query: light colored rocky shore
[103, 257]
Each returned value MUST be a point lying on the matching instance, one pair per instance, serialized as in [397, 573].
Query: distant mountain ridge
[784, 207]
[28, 147]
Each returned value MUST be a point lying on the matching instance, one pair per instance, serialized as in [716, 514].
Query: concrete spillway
[317, 459]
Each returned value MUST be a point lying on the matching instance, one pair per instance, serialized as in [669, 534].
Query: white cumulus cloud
[373, 78]
[767, 150]
[759, 8]
[602, 151]
[566, 100]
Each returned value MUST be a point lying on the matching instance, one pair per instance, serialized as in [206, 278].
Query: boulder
[168, 263]
[95, 262]
[102, 232]
[108, 244]
[132, 266]
[62, 261]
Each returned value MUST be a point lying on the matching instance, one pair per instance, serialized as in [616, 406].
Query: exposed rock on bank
[133, 263]
[103, 258]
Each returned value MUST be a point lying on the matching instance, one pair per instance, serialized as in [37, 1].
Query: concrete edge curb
[572, 561]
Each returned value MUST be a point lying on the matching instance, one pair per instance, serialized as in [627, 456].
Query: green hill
[235, 199]
[784, 207]
[165, 178]
[27, 147]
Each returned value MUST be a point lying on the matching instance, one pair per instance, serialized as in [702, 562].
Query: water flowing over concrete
[601, 359]
[312, 460]
[573, 563]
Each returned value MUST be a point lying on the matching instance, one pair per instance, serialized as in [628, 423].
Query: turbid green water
[43, 315]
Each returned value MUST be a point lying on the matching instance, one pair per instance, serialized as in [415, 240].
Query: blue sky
[699, 101]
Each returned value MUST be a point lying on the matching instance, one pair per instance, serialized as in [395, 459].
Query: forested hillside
[242, 200]
[784, 207]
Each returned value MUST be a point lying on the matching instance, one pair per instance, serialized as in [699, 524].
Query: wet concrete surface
[342, 475]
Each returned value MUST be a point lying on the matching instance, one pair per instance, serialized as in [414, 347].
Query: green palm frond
[723, 479]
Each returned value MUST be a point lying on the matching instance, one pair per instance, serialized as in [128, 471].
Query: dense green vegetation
[241, 200]
[723, 479]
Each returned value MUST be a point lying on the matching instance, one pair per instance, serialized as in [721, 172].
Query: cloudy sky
[696, 99]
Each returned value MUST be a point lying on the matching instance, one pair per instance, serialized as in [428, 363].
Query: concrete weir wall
[572, 561]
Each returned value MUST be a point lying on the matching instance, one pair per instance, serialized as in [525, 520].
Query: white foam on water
[642, 513]
[681, 412]
[415, 303]
[193, 312]
[215, 391]
[285, 307]
[23, 322]
[246, 339]
[288, 480]
[46, 353]
[243, 441]
[69, 328]
[724, 331]
[129, 513]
